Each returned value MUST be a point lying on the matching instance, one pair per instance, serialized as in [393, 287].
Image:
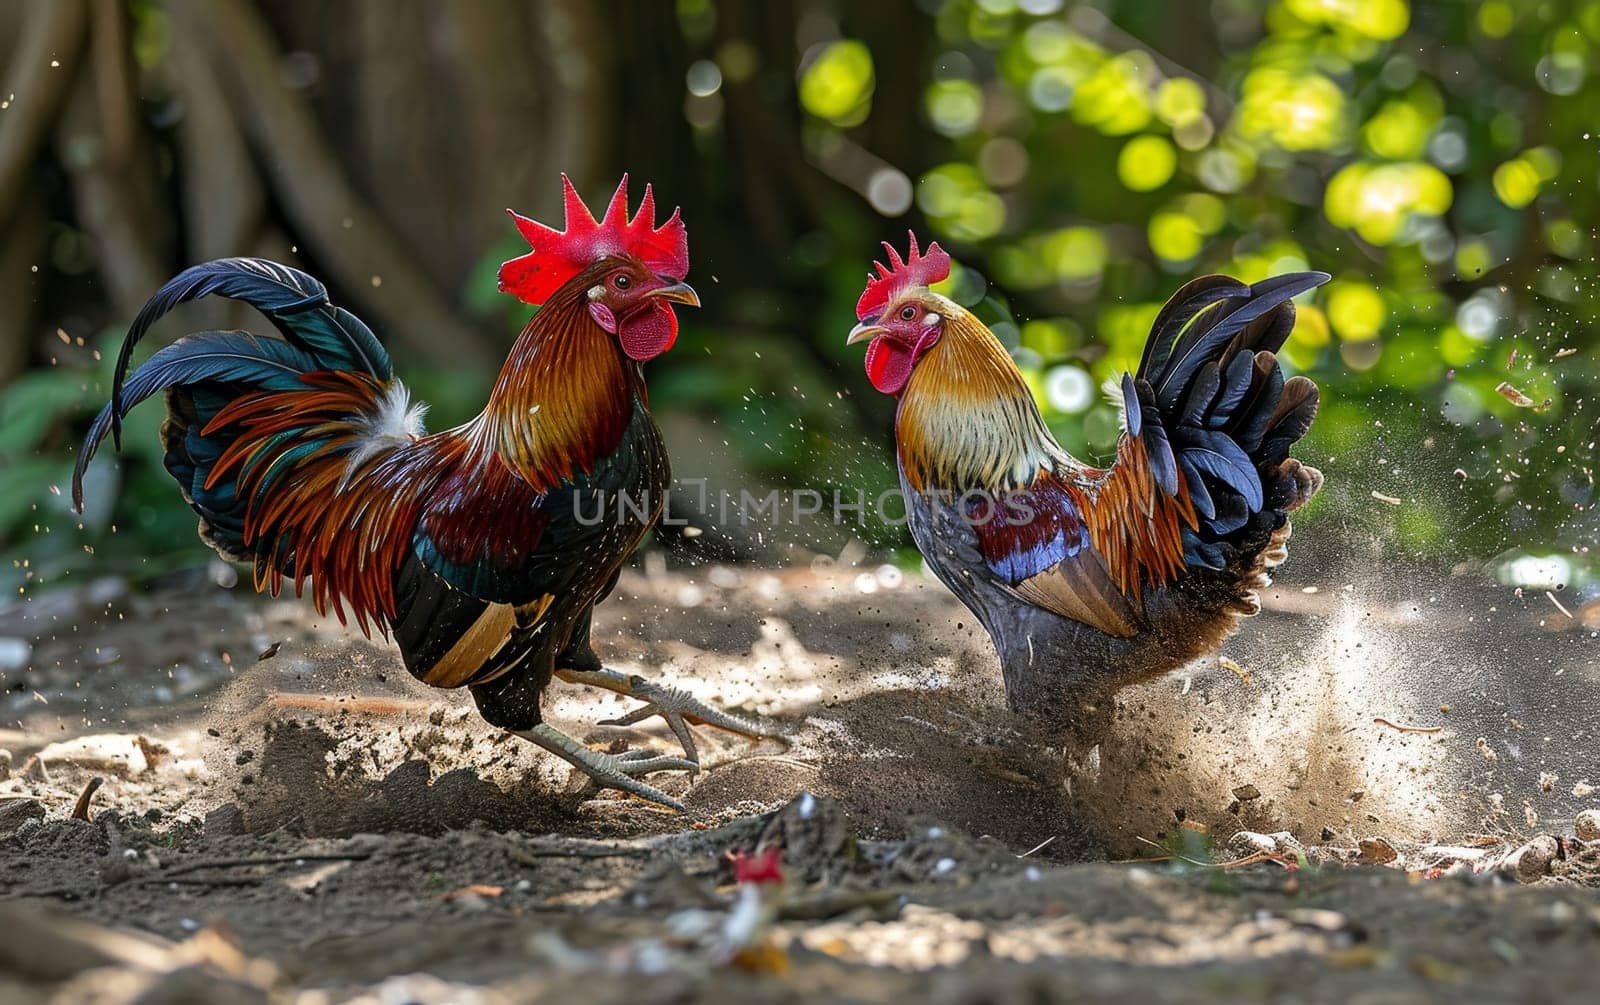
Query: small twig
[1040, 846]
[81, 810]
[1172, 855]
[1380, 720]
[833, 905]
[230, 863]
[1251, 859]
[925, 724]
[1559, 606]
[523, 855]
[793, 762]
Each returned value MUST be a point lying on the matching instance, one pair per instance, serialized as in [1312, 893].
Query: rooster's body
[482, 549]
[1091, 579]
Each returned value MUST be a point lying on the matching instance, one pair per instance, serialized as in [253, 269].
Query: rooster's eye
[908, 313]
[622, 282]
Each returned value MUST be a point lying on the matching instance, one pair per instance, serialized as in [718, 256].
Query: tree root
[350, 238]
[42, 66]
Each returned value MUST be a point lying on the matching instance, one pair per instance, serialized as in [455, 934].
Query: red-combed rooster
[1090, 579]
[476, 547]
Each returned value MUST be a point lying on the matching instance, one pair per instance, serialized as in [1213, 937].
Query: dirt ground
[284, 815]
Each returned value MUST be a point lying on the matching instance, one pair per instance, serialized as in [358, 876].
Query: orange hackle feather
[1136, 529]
[563, 397]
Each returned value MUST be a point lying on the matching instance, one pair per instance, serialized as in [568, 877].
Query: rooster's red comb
[919, 268]
[558, 255]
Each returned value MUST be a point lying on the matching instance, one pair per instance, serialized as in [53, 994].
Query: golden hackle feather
[563, 397]
[967, 420]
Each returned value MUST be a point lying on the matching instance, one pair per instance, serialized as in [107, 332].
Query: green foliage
[1082, 160]
[1436, 160]
[42, 415]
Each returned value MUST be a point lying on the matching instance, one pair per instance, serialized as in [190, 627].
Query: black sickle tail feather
[202, 373]
[1210, 400]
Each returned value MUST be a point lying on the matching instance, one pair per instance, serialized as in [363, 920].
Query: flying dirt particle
[1511, 394]
[1486, 750]
[1375, 851]
[1245, 793]
[1587, 825]
[269, 652]
[1581, 789]
[1235, 669]
[1391, 500]
[1547, 781]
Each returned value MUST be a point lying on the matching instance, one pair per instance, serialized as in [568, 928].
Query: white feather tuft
[1113, 391]
[394, 423]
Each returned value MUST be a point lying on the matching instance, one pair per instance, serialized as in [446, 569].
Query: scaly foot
[611, 771]
[678, 707]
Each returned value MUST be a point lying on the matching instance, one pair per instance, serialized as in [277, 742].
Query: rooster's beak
[863, 331]
[679, 293]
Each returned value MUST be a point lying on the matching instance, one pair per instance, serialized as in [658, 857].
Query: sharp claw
[650, 793]
[680, 729]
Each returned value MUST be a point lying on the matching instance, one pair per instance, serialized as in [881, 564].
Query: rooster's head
[900, 315]
[634, 269]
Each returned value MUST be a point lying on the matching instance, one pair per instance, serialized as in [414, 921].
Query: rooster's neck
[967, 420]
[564, 397]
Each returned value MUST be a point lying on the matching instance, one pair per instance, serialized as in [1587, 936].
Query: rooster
[475, 547]
[1090, 579]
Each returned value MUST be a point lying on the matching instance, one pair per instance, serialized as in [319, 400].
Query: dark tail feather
[1192, 297]
[293, 301]
[1217, 325]
[229, 358]
[1212, 402]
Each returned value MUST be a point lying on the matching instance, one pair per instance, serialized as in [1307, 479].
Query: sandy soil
[314, 826]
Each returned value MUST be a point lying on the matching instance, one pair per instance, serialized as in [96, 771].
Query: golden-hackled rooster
[1089, 579]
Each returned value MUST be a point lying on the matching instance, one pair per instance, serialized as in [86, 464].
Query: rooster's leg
[611, 771]
[677, 706]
